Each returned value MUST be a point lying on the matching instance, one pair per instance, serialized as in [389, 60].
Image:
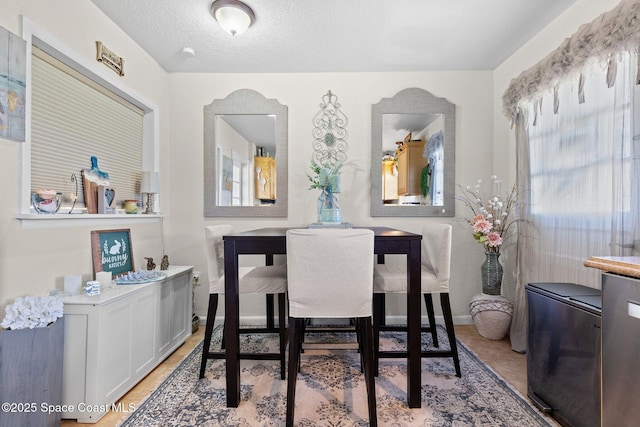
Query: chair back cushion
[330, 272]
[435, 264]
[215, 256]
[436, 253]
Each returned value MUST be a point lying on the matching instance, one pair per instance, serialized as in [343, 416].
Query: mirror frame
[413, 101]
[245, 102]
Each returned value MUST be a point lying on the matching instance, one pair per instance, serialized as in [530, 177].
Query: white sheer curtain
[578, 180]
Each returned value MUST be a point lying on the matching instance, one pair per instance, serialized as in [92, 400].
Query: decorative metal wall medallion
[329, 133]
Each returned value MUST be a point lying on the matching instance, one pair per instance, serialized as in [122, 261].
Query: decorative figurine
[164, 265]
[92, 288]
[150, 264]
[95, 170]
[91, 179]
[73, 196]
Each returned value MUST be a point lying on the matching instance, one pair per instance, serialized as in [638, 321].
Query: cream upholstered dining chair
[270, 279]
[330, 275]
[434, 277]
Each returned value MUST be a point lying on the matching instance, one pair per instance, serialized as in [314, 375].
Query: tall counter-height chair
[330, 275]
[434, 276]
[269, 279]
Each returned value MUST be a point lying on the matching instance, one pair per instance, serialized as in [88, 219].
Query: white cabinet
[114, 339]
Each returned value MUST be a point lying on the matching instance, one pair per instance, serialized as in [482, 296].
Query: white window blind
[73, 118]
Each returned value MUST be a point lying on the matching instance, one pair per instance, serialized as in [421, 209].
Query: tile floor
[497, 354]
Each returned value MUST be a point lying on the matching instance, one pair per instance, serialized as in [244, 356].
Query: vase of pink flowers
[492, 225]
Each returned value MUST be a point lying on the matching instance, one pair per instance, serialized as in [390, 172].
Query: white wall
[302, 93]
[33, 261]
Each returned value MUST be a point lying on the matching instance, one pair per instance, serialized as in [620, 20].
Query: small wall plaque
[110, 59]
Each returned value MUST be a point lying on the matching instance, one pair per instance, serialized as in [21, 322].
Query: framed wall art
[112, 251]
[13, 75]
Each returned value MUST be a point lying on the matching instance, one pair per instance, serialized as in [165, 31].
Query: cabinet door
[143, 326]
[265, 178]
[389, 181]
[180, 314]
[126, 343]
[410, 165]
[403, 170]
[113, 369]
[416, 164]
[164, 320]
[174, 316]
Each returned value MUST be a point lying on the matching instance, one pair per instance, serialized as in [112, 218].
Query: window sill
[32, 221]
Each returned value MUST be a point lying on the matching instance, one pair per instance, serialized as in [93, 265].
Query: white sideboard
[112, 340]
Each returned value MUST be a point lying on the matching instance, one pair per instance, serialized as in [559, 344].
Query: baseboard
[391, 320]
[463, 320]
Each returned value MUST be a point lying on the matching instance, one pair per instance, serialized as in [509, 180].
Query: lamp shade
[150, 182]
[233, 16]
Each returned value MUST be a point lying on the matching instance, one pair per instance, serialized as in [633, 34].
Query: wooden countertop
[626, 266]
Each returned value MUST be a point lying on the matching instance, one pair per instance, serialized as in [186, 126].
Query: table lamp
[149, 185]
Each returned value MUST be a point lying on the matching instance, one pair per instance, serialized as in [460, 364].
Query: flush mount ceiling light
[233, 16]
[188, 51]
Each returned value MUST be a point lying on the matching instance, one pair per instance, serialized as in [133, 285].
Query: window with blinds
[73, 119]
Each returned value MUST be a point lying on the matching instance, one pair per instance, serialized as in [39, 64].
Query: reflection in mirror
[412, 155]
[412, 171]
[246, 153]
[245, 156]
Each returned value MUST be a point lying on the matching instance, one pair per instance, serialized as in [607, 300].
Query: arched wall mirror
[413, 155]
[245, 156]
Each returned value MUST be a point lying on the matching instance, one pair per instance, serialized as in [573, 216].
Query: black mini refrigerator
[563, 351]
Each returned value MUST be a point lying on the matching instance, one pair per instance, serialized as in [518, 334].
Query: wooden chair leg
[282, 333]
[361, 346]
[295, 326]
[428, 302]
[378, 319]
[451, 334]
[368, 350]
[301, 331]
[211, 318]
[222, 342]
[270, 312]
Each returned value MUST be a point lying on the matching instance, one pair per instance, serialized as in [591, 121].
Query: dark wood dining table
[272, 241]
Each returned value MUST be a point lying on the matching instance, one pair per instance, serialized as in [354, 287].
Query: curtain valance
[600, 41]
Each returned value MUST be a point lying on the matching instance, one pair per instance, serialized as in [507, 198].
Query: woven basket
[492, 315]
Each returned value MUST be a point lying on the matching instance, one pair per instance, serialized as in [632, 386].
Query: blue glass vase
[328, 208]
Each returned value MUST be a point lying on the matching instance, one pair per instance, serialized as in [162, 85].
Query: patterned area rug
[331, 391]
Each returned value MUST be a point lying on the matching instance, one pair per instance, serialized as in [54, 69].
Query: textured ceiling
[335, 35]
